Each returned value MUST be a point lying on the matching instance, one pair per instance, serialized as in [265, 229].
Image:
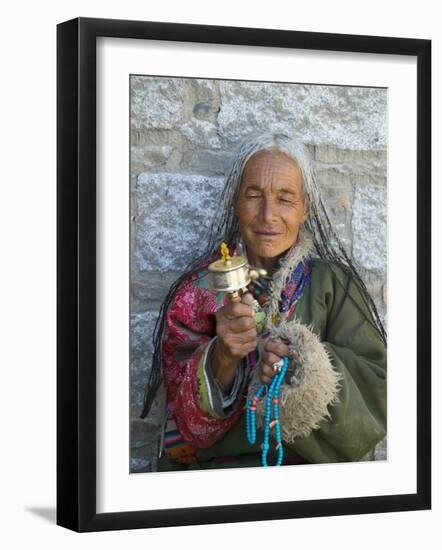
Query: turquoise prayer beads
[271, 415]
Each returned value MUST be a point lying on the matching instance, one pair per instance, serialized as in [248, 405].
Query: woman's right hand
[237, 337]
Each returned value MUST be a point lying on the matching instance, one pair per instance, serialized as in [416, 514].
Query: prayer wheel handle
[234, 296]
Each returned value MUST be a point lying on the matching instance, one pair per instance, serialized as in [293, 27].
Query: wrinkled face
[270, 206]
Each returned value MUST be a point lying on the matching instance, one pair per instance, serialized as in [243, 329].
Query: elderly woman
[313, 309]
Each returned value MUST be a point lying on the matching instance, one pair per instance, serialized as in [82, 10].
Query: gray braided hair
[225, 228]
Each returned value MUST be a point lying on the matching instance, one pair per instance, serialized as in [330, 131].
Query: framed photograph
[232, 204]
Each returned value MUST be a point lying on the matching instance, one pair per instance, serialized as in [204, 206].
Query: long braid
[225, 227]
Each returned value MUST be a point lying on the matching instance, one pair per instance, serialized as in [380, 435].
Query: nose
[267, 210]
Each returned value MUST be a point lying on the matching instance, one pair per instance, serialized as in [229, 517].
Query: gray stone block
[148, 289]
[356, 164]
[337, 191]
[204, 98]
[141, 330]
[349, 117]
[140, 465]
[201, 133]
[213, 163]
[370, 226]
[174, 213]
[385, 293]
[329, 153]
[380, 452]
[152, 156]
[145, 432]
[153, 137]
[156, 102]
[375, 281]
[204, 89]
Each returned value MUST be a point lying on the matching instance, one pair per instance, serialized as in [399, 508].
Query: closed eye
[290, 202]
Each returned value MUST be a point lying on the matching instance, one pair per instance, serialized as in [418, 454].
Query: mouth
[267, 234]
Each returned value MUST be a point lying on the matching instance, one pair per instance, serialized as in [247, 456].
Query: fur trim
[286, 266]
[313, 385]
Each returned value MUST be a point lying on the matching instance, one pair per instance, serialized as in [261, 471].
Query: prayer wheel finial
[225, 252]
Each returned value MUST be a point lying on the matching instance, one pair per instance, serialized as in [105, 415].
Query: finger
[267, 371]
[277, 347]
[247, 299]
[242, 350]
[240, 343]
[249, 347]
[266, 378]
[239, 338]
[270, 358]
[241, 324]
[248, 336]
[235, 310]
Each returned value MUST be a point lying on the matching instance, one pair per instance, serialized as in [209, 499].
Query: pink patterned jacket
[189, 330]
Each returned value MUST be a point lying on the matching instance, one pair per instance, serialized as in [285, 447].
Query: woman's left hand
[274, 351]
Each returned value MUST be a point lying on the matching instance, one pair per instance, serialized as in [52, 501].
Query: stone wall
[183, 136]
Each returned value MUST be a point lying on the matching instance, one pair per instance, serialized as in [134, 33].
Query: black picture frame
[76, 273]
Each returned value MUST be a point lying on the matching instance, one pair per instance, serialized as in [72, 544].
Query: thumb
[247, 299]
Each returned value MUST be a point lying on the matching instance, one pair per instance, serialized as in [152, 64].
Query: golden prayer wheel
[232, 274]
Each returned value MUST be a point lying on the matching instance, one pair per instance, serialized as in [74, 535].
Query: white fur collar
[287, 264]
